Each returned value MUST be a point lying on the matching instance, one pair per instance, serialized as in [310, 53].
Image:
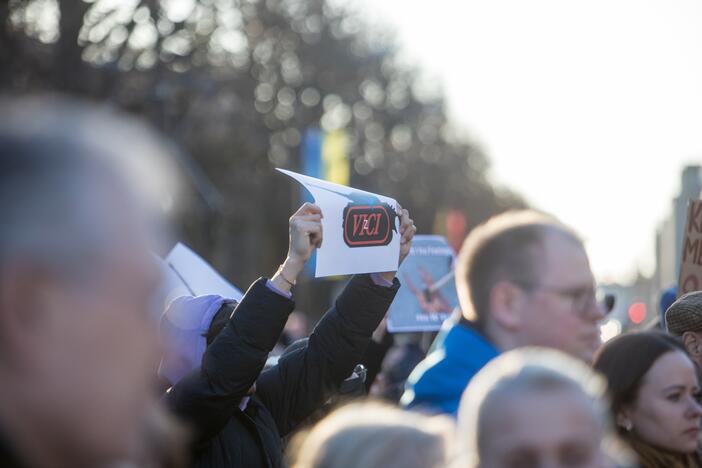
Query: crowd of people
[516, 378]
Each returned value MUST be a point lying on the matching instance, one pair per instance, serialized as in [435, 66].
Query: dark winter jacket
[287, 393]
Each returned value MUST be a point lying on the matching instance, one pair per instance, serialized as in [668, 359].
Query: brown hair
[507, 246]
[626, 359]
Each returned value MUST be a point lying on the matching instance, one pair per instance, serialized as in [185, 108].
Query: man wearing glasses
[523, 279]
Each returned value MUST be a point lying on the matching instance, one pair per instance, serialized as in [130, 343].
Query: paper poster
[187, 274]
[361, 229]
[691, 264]
[428, 292]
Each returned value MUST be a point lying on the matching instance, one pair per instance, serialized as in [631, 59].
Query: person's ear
[623, 419]
[692, 344]
[506, 304]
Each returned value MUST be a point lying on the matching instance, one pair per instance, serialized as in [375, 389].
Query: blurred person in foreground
[238, 413]
[523, 279]
[533, 407]
[684, 319]
[374, 435]
[78, 351]
[654, 391]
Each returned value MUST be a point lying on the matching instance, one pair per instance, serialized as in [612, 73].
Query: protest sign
[691, 264]
[187, 274]
[361, 229]
[428, 292]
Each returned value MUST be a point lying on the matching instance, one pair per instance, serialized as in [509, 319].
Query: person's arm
[304, 380]
[207, 397]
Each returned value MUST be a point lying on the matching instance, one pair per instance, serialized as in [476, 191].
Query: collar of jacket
[464, 344]
[439, 381]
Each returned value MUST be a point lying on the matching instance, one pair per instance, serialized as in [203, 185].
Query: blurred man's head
[684, 319]
[533, 407]
[524, 279]
[77, 352]
[373, 435]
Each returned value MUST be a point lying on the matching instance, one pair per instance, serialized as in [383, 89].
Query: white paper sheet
[371, 243]
[189, 274]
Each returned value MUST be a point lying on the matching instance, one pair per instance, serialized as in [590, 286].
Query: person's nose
[695, 409]
[596, 312]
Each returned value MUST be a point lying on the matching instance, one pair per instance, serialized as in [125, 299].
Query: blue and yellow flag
[324, 155]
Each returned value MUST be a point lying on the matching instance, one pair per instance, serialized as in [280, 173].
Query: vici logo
[367, 225]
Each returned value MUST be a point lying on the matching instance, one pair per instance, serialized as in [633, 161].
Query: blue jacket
[437, 383]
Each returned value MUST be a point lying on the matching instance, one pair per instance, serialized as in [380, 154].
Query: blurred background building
[638, 303]
[669, 237]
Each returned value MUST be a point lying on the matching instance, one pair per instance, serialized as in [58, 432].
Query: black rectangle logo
[367, 225]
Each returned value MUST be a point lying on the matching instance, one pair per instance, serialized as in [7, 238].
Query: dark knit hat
[685, 314]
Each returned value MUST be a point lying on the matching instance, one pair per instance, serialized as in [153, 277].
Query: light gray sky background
[588, 108]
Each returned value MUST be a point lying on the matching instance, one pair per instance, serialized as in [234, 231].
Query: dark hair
[626, 359]
[506, 247]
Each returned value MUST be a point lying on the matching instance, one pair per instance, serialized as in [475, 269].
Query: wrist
[281, 276]
[285, 277]
[292, 267]
[388, 275]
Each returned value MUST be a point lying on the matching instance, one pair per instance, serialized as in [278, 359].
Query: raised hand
[305, 236]
[407, 232]
[305, 232]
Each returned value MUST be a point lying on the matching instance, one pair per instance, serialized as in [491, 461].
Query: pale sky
[588, 108]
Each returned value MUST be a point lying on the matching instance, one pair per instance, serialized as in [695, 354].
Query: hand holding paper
[305, 236]
[362, 231]
[407, 231]
[305, 232]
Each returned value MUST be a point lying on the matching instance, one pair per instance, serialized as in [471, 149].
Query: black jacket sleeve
[207, 397]
[305, 379]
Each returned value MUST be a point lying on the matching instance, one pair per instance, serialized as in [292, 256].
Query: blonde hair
[369, 435]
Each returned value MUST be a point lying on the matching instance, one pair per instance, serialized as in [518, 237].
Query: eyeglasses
[582, 299]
